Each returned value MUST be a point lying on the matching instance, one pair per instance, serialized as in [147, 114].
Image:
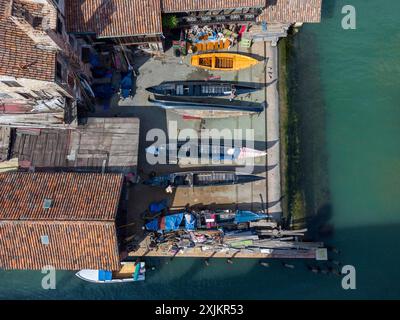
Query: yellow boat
[223, 61]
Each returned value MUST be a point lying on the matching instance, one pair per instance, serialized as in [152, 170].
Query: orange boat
[223, 61]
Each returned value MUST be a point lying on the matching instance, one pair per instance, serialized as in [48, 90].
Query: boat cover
[190, 222]
[173, 222]
[166, 223]
[152, 225]
[156, 207]
[105, 275]
[247, 216]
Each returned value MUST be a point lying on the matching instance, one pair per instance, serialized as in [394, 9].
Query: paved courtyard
[260, 195]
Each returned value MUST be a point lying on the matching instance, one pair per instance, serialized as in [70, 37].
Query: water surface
[346, 87]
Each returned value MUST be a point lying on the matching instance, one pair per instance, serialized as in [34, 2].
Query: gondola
[204, 88]
[195, 151]
[207, 107]
[201, 179]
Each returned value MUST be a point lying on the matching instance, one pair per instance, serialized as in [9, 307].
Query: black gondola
[168, 102]
[201, 179]
[204, 88]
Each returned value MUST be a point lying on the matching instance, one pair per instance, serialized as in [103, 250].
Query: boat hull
[205, 152]
[207, 108]
[201, 179]
[92, 275]
[223, 61]
[203, 88]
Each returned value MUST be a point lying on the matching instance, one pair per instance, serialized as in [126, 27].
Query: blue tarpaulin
[190, 222]
[152, 225]
[126, 85]
[105, 275]
[156, 207]
[247, 216]
[173, 222]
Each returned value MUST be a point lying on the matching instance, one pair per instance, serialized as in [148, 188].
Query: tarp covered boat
[204, 88]
[202, 179]
[129, 272]
[223, 61]
[201, 152]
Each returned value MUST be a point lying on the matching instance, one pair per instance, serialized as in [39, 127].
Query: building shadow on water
[307, 102]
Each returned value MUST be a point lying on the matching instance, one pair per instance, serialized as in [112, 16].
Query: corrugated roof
[200, 5]
[290, 11]
[109, 142]
[18, 55]
[72, 245]
[114, 18]
[75, 196]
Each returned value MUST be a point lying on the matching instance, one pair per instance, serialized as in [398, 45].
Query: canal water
[345, 86]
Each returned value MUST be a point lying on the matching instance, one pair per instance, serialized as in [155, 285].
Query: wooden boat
[130, 271]
[221, 61]
[201, 179]
[207, 152]
[207, 107]
[203, 88]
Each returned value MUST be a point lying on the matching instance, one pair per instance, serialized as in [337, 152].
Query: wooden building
[64, 220]
[100, 145]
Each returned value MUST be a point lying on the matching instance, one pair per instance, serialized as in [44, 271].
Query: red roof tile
[72, 245]
[114, 18]
[200, 5]
[79, 225]
[75, 196]
[290, 11]
[19, 56]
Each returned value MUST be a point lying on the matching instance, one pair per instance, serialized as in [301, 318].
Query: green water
[345, 86]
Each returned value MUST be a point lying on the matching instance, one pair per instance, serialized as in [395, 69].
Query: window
[37, 22]
[12, 83]
[40, 94]
[26, 95]
[61, 93]
[59, 25]
[59, 72]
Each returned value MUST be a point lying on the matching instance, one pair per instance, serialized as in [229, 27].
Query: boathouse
[99, 145]
[64, 220]
[142, 22]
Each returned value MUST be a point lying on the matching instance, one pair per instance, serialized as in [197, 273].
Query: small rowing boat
[204, 88]
[205, 152]
[207, 107]
[201, 179]
[223, 61]
[129, 272]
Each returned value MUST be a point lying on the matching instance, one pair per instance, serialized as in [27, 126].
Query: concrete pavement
[273, 133]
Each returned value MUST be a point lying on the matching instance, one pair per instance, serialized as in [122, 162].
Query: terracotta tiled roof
[75, 196]
[114, 18]
[76, 232]
[5, 8]
[290, 11]
[72, 245]
[199, 5]
[18, 55]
